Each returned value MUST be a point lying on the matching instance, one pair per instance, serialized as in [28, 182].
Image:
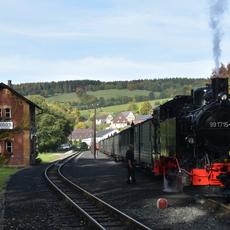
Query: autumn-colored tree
[187, 89]
[145, 108]
[224, 71]
[130, 86]
[80, 125]
[80, 91]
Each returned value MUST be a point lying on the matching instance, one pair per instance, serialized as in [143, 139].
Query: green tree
[54, 123]
[145, 108]
[132, 107]
[52, 132]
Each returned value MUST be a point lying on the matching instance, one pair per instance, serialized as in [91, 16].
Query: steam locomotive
[188, 136]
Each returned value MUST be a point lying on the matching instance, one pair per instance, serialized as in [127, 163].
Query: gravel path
[1, 210]
[30, 204]
[106, 179]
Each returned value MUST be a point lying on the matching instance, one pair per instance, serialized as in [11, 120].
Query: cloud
[105, 69]
[107, 40]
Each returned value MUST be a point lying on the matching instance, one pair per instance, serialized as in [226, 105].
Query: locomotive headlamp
[190, 140]
[223, 97]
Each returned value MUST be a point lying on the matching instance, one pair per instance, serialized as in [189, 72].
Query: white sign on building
[6, 125]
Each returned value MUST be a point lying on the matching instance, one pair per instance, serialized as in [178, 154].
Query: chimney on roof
[10, 83]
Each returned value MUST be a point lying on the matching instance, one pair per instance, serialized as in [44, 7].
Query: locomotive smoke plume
[217, 8]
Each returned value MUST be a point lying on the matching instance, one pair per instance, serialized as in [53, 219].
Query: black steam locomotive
[188, 136]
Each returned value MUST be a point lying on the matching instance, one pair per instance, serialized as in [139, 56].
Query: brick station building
[17, 128]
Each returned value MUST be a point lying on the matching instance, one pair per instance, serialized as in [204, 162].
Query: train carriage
[143, 146]
[116, 147]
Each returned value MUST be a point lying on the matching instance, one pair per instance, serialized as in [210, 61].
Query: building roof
[81, 133]
[4, 86]
[104, 132]
[120, 118]
[126, 113]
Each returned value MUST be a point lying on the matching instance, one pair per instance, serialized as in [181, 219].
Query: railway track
[94, 212]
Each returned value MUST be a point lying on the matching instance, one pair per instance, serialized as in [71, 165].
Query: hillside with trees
[47, 89]
[83, 93]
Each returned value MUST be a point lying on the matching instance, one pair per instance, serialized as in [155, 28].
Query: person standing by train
[130, 165]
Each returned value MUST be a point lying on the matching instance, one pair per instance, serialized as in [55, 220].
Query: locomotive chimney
[219, 85]
[10, 83]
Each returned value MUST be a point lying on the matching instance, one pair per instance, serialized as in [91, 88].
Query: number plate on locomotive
[219, 124]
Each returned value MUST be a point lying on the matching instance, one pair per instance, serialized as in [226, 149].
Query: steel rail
[126, 221]
[63, 194]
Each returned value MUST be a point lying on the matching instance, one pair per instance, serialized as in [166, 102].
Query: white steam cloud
[217, 9]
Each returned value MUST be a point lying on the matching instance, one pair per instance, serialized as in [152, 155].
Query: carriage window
[8, 113]
[9, 146]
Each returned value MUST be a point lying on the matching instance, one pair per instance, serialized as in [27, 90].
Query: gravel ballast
[107, 179]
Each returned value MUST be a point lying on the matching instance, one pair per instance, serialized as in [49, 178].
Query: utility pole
[94, 133]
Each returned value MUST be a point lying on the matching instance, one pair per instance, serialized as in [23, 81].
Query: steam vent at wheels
[17, 128]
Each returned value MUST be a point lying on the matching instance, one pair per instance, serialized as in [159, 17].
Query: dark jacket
[130, 156]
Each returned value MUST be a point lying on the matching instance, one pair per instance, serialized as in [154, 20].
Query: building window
[9, 146]
[7, 113]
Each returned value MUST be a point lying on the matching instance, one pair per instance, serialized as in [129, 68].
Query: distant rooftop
[81, 133]
[126, 113]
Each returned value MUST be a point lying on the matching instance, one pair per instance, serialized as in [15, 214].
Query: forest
[46, 89]
[159, 88]
[83, 97]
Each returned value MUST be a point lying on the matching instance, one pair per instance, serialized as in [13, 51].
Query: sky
[107, 40]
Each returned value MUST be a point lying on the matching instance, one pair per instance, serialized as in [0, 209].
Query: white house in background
[129, 115]
[109, 119]
[101, 120]
[106, 119]
[122, 120]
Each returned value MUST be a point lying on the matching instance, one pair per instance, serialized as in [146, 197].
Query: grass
[106, 94]
[49, 157]
[63, 97]
[5, 173]
[120, 108]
